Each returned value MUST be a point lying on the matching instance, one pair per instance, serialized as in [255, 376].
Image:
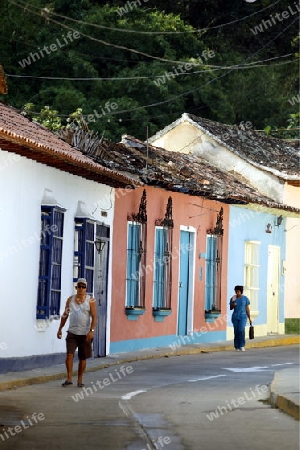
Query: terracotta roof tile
[30, 139]
[187, 173]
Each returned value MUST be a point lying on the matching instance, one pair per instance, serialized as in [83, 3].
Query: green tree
[227, 92]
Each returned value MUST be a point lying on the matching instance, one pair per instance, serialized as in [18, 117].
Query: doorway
[186, 283]
[273, 289]
[100, 289]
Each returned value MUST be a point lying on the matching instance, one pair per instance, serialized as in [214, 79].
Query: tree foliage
[119, 89]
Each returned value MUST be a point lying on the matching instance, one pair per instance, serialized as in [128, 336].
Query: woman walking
[240, 305]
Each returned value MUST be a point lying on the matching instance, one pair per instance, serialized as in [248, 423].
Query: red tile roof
[190, 174]
[30, 139]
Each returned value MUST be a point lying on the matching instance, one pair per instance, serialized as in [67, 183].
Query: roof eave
[65, 162]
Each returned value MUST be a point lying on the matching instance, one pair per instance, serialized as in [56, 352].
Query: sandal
[80, 384]
[67, 383]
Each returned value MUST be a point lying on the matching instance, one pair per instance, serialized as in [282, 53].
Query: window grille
[49, 285]
[136, 256]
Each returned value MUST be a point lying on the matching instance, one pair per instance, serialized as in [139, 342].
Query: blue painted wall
[244, 225]
[172, 342]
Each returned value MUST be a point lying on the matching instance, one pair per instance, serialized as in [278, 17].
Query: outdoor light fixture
[278, 221]
[99, 245]
[269, 228]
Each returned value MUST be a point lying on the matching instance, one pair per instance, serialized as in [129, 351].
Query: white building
[54, 204]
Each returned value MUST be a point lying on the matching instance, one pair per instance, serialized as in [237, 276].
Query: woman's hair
[239, 288]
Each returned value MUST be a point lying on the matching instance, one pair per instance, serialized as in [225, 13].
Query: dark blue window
[84, 252]
[49, 287]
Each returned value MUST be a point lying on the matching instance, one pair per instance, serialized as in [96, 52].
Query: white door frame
[273, 290]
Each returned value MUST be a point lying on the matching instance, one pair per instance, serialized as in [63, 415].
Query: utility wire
[187, 92]
[47, 12]
[207, 83]
[109, 44]
[254, 64]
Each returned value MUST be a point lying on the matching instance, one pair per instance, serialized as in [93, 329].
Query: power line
[252, 65]
[101, 41]
[47, 12]
[229, 70]
[210, 81]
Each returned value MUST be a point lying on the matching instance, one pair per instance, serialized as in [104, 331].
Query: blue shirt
[239, 311]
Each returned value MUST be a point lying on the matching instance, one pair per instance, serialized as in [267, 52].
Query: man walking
[81, 308]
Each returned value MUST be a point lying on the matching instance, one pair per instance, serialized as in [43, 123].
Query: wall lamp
[99, 245]
[278, 221]
[269, 228]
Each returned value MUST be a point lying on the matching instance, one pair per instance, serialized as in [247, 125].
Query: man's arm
[64, 318]
[93, 313]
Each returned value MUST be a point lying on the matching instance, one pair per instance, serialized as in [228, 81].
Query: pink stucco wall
[187, 211]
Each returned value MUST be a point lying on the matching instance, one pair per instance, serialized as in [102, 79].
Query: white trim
[187, 228]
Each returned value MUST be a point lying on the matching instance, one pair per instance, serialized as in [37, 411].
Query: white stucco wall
[22, 186]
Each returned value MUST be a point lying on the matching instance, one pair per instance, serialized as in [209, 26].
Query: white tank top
[80, 318]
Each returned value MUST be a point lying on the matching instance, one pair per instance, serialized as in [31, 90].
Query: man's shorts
[84, 346]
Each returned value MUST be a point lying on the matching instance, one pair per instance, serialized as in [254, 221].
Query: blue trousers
[239, 331]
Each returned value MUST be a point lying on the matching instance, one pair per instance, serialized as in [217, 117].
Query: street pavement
[284, 389]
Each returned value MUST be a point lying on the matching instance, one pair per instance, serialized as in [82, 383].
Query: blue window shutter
[49, 286]
[159, 300]
[133, 265]
[84, 252]
[90, 254]
[210, 285]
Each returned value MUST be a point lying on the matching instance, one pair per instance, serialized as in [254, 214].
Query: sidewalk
[284, 390]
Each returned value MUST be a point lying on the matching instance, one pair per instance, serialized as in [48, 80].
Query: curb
[284, 392]
[286, 405]
[185, 350]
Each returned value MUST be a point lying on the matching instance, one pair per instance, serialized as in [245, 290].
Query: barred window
[162, 269]
[49, 286]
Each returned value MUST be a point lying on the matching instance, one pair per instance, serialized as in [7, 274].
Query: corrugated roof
[30, 139]
[280, 157]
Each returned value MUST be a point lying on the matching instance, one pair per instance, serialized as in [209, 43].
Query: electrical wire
[206, 84]
[109, 44]
[187, 92]
[251, 65]
[101, 41]
[48, 12]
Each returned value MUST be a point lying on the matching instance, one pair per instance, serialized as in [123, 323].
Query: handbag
[251, 332]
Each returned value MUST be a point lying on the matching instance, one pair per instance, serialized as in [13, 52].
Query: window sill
[211, 316]
[43, 324]
[134, 312]
[160, 314]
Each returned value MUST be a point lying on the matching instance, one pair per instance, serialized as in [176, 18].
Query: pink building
[165, 296]
[170, 248]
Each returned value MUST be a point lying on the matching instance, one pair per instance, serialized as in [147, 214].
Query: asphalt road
[208, 401]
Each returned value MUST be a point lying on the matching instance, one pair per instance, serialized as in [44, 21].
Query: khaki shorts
[84, 346]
